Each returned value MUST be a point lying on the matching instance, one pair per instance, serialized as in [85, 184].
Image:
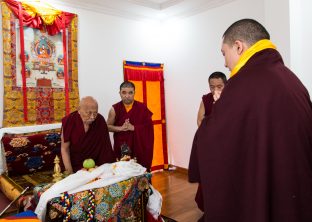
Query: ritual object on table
[57, 176]
[125, 152]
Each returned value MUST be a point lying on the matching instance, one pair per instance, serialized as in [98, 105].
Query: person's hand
[216, 95]
[67, 173]
[124, 127]
[128, 125]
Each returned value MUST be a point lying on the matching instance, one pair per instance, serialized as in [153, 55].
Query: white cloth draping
[107, 174]
[154, 203]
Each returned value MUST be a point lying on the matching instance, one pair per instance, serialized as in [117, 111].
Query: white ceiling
[146, 9]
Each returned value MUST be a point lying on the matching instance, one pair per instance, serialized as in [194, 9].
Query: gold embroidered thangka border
[44, 104]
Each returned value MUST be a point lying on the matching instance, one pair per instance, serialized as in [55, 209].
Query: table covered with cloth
[122, 201]
[105, 198]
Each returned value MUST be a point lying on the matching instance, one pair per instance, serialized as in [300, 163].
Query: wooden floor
[178, 195]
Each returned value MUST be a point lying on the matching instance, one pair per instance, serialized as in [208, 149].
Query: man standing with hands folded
[131, 122]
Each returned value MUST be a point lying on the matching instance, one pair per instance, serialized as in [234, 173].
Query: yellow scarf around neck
[128, 107]
[257, 47]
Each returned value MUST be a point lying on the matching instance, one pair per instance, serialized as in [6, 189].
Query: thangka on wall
[39, 62]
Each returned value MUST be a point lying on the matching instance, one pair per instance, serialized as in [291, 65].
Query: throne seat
[27, 158]
[13, 186]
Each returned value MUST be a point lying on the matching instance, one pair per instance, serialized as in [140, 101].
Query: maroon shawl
[94, 143]
[141, 140]
[208, 103]
[254, 152]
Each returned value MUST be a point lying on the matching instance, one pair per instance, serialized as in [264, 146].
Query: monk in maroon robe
[254, 152]
[85, 136]
[131, 122]
[216, 82]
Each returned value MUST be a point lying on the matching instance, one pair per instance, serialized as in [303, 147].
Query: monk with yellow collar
[254, 153]
[131, 122]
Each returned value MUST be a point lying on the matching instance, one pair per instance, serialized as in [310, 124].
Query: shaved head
[87, 101]
[88, 109]
[247, 30]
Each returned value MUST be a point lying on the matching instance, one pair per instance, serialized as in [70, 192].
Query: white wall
[191, 54]
[277, 22]
[104, 42]
[189, 48]
[300, 39]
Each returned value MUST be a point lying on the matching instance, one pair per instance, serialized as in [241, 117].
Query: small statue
[125, 152]
[57, 176]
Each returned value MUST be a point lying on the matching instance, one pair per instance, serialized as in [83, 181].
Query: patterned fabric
[45, 104]
[123, 201]
[29, 153]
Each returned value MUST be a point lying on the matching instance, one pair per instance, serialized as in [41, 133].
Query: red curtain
[149, 82]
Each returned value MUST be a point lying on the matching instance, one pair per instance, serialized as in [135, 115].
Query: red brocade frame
[148, 79]
[53, 92]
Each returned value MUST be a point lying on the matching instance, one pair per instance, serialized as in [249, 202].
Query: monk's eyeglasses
[89, 114]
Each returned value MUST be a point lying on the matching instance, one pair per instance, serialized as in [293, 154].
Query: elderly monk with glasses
[85, 136]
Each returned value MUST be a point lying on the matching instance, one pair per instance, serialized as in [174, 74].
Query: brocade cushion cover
[33, 152]
[122, 201]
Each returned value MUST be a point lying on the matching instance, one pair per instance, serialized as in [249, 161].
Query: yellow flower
[19, 142]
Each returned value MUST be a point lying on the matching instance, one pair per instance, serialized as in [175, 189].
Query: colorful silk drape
[39, 62]
[121, 201]
[40, 15]
[148, 79]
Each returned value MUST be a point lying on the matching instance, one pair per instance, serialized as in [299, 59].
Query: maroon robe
[95, 143]
[254, 152]
[208, 103]
[141, 140]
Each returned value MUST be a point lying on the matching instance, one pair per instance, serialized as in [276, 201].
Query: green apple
[88, 163]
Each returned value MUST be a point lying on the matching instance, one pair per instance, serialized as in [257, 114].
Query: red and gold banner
[40, 15]
[40, 63]
[148, 79]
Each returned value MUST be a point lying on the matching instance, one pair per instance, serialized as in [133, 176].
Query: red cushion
[31, 153]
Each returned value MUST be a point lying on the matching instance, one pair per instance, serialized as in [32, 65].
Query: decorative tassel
[91, 205]
[66, 206]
